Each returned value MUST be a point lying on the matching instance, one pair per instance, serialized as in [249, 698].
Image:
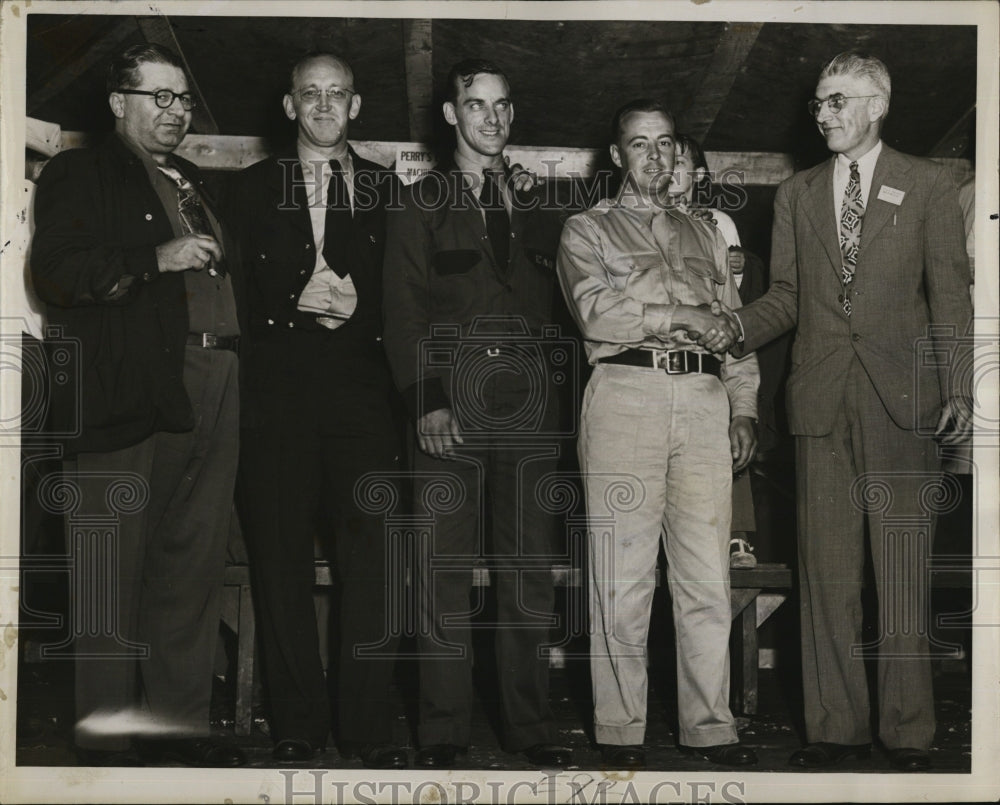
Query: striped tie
[852, 215]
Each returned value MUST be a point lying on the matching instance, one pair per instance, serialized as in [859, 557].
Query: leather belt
[672, 361]
[212, 341]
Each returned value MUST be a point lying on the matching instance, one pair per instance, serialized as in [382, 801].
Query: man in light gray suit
[867, 255]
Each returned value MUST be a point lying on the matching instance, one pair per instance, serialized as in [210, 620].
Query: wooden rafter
[97, 52]
[158, 31]
[419, 61]
[730, 53]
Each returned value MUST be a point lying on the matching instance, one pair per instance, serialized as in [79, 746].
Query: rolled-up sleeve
[601, 312]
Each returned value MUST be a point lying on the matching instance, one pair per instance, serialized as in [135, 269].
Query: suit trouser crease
[666, 439]
[171, 559]
[525, 598]
[831, 560]
[312, 436]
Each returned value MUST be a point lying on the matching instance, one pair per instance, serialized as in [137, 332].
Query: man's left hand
[743, 440]
[955, 424]
[523, 179]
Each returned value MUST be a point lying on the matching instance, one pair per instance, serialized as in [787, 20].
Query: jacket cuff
[140, 263]
[424, 396]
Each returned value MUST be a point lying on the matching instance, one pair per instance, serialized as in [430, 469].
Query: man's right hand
[712, 327]
[188, 251]
[437, 433]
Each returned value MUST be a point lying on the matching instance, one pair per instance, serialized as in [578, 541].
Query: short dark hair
[686, 144]
[465, 72]
[312, 56]
[123, 71]
[637, 105]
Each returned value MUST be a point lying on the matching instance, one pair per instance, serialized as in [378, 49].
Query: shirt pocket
[455, 261]
[623, 269]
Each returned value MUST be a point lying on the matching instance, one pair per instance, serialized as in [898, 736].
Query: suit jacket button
[840, 298]
[291, 296]
[855, 337]
[149, 216]
[270, 321]
[308, 246]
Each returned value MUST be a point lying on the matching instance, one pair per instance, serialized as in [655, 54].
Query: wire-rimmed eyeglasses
[836, 102]
[312, 95]
[164, 97]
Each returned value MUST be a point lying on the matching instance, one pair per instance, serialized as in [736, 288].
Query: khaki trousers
[655, 453]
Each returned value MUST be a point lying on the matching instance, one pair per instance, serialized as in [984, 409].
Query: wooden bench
[756, 593]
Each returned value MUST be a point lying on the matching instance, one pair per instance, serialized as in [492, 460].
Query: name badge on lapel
[891, 194]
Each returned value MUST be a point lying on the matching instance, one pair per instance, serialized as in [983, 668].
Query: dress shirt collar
[311, 159]
[866, 167]
[472, 172]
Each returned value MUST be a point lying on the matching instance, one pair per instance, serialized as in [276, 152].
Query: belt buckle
[208, 340]
[673, 361]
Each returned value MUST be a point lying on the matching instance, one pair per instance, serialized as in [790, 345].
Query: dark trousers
[325, 421]
[867, 468]
[148, 537]
[495, 485]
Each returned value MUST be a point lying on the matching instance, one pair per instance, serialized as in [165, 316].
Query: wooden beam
[158, 31]
[80, 62]
[419, 62]
[955, 142]
[730, 53]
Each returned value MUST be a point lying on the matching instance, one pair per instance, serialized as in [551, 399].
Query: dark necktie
[852, 214]
[497, 220]
[192, 215]
[338, 227]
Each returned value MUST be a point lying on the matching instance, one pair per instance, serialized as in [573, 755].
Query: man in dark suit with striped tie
[318, 416]
[867, 256]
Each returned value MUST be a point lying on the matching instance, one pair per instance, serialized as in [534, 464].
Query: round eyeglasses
[836, 102]
[164, 97]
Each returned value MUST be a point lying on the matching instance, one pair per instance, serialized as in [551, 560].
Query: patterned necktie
[852, 215]
[339, 225]
[497, 220]
[192, 215]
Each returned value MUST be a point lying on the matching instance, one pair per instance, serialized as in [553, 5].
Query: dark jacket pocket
[455, 261]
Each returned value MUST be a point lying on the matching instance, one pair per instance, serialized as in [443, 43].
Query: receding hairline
[305, 61]
[666, 115]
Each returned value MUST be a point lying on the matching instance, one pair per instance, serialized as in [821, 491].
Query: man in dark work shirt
[129, 256]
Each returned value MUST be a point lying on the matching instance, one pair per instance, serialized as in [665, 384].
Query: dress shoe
[202, 752]
[822, 754]
[107, 757]
[723, 754]
[616, 756]
[906, 759]
[439, 756]
[549, 755]
[295, 750]
[380, 756]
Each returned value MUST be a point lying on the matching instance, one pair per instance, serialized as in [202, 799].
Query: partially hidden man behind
[671, 423]
[130, 257]
[868, 251]
[466, 245]
[318, 416]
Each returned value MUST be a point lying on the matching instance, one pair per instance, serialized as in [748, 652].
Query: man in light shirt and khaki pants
[663, 426]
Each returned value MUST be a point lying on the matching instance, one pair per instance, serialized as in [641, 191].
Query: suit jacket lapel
[818, 205]
[288, 189]
[890, 170]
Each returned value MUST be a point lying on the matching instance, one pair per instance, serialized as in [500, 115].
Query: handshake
[714, 326]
